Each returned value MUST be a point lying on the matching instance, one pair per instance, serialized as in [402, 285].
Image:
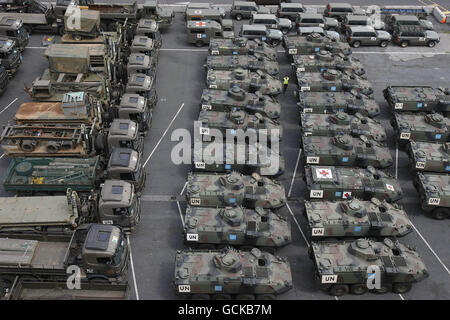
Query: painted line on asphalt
[164, 134]
[295, 171]
[182, 190]
[2, 156]
[132, 270]
[9, 105]
[298, 225]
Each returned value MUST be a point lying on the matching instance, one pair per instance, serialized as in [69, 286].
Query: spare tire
[28, 145]
[24, 168]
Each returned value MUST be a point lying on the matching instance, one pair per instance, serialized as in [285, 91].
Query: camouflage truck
[242, 157]
[434, 191]
[245, 79]
[141, 64]
[341, 122]
[312, 43]
[144, 86]
[226, 273]
[426, 156]
[236, 99]
[248, 62]
[229, 122]
[331, 102]
[355, 218]
[336, 183]
[14, 30]
[241, 46]
[86, 27]
[417, 98]
[324, 59]
[10, 57]
[144, 45]
[344, 150]
[342, 267]
[213, 190]
[431, 127]
[209, 228]
[333, 80]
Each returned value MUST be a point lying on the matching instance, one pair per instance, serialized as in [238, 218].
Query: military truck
[204, 14]
[87, 27]
[14, 30]
[313, 43]
[336, 183]
[4, 80]
[149, 28]
[143, 86]
[241, 46]
[324, 59]
[213, 190]
[342, 267]
[28, 176]
[345, 150]
[201, 32]
[333, 80]
[144, 45]
[99, 251]
[245, 79]
[248, 62]
[238, 99]
[355, 218]
[426, 156]
[141, 64]
[417, 98]
[10, 57]
[434, 191]
[223, 274]
[209, 228]
[432, 127]
[135, 107]
[341, 122]
[331, 102]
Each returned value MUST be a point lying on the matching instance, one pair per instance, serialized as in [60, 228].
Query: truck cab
[125, 164]
[134, 107]
[124, 133]
[144, 86]
[141, 64]
[10, 56]
[152, 10]
[14, 30]
[149, 28]
[144, 45]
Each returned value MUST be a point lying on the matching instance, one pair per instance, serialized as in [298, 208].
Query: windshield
[117, 258]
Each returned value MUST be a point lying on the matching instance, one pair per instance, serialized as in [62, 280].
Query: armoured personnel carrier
[434, 191]
[331, 102]
[342, 266]
[341, 122]
[333, 80]
[231, 273]
[248, 62]
[245, 79]
[214, 190]
[313, 43]
[236, 99]
[324, 59]
[207, 228]
[417, 98]
[425, 156]
[432, 127]
[356, 218]
[241, 46]
[345, 150]
[336, 183]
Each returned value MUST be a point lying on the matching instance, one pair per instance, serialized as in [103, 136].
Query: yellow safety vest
[286, 80]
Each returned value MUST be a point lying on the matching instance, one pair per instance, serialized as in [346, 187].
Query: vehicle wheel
[275, 43]
[77, 37]
[431, 44]
[200, 297]
[358, 289]
[245, 297]
[206, 246]
[440, 213]
[383, 44]
[265, 297]
[339, 290]
[385, 288]
[61, 31]
[404, 44]
[238, 17]
[270, 250]
[356, 44]
[221, 296]
[28, 29]
[285, 31]
[199, 43]
[401, 287]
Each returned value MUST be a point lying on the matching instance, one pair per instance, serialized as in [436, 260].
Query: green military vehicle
[341, 122]
[345, 150]
[425, 156]
[415, 35]
[10, 57]
[249, 62]
[236, 99]
[245, 79]
[136, 108]
[143, 85]
[242, 157]
[213, 190]
[226, 273]
[149, 28]
[417, 98]
[324, 59]
[202, 32]
[432, 127]
[99, 251]
[241, 46]
[4, 80]
[331, 80]
[331, 102]
[140, 63]
[342, 267]
[312, 43]
[209, 228]
[86, 27]
[434, 191]
[336, 183]
[14, 30]
[355, 218]
[144, 45]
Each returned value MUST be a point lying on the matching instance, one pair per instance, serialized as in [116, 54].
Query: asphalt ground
[179, 82]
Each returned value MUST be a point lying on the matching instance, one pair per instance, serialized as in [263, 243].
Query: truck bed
[31, 112]
[27, 18]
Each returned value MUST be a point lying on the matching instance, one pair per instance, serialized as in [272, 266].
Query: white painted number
[107, 222]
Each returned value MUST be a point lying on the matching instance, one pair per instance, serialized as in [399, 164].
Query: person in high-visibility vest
[285, 83]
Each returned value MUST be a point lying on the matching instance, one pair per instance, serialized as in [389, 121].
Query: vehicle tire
[440, 213]
[206, 246]
[238, 17]
[356, 44]
[77, 37]
[52, 147]
[431, 44]
[383, 44]
[221, 296]
[61, 30]
[404, 44]
[28, 145]
[270, 250]
[285, 31]
[199, 43]
[385, 288]
[200, 296]
[339, 290]
[265, 297]
[28, 28]
[358, 289]
[401, 287]
[245, 297]
[275, 43]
